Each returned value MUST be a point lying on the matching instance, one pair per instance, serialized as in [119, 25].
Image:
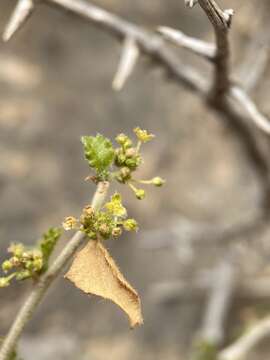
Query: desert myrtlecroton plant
[230, 100]
[93, 269]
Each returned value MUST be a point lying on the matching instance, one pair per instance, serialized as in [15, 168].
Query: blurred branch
[257, 60]
[154, 46]
[220, 297]
[245, 288]
[247, 342]
[257, 55]
[203, 234]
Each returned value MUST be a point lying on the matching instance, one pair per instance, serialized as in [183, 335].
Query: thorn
[190, 3]
[127, 63]
[228, 14]
[20, 14]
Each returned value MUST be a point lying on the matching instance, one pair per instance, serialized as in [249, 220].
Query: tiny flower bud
[88, 210]
[70, 223]
[15, 261]
[16, 249]
[125, 173]
[4, 282]
[7, 265]
[130, 225]
[116, 232]
[132, 163]
[130, 152]
[158, 181]
[104, 230]
[37, 265]
[123, 140]
[140, 194]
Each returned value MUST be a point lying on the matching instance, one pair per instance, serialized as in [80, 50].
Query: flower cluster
[29, 263]
[126, 158]
[107, 223]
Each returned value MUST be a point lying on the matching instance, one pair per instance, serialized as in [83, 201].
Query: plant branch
[221, 22]
[220, 297]
[247, 342]
[42, 285]
[154, 46]
[197, 46]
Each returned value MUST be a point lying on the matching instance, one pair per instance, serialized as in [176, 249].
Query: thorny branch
[222, 95]
[221, 21]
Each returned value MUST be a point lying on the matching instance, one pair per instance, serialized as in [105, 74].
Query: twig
[242, 98]
[247, 342]
[41, 287]
[221, 294]
[246, 289]
[221, 22]
[197, 46]
[257, 55]
[154, 46]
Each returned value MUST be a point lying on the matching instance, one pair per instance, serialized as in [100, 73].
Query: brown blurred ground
[55, 85]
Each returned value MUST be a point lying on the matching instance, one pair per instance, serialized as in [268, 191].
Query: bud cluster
[29, 263]
[128, 158]
[24, 263]
[107, 223]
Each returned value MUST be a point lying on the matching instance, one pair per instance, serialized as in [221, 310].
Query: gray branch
[221, 21]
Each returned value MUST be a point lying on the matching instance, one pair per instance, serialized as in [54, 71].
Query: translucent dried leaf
[95, 272]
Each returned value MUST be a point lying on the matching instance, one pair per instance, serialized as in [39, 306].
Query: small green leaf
[47, 244]
[99, 153]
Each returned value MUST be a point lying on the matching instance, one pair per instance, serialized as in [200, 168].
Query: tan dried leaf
[95, 272]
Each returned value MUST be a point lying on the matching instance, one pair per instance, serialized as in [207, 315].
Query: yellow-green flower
[115, 206]
[143, 135]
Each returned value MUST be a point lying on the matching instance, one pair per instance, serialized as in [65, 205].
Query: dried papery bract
[95, 272]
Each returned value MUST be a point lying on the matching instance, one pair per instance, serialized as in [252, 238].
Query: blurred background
[55, 85]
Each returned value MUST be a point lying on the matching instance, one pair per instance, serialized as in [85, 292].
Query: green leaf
[48, 243]
[98, 152]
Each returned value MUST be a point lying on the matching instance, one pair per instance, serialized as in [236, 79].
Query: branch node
[228, 15]
[21, 13]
